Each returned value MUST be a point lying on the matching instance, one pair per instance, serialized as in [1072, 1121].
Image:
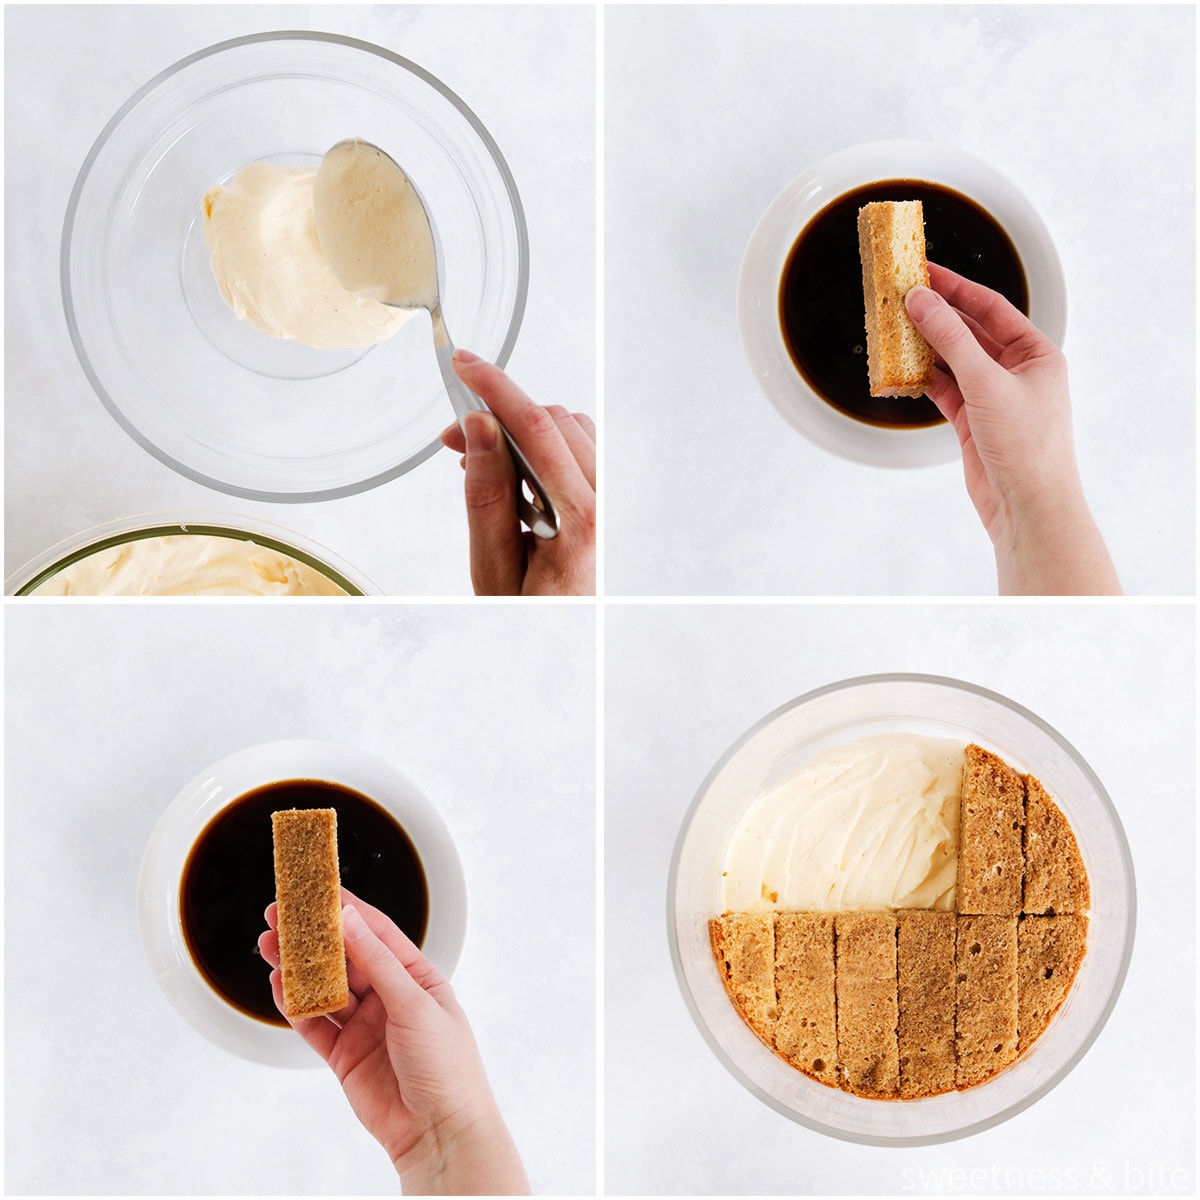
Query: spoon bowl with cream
[380, 240]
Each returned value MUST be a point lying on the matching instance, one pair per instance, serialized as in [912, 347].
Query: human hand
[561, 448]
[406, 1059]
[1002, 385]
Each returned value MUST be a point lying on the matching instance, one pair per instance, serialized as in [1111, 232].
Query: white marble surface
[68, 68]
[683, 683]
[112, 708]
[711, 110]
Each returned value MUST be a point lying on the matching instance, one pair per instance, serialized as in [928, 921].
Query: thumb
[383, 970]
[948, 334]
[497, 549]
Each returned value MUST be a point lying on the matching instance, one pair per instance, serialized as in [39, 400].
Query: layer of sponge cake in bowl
[926, 998]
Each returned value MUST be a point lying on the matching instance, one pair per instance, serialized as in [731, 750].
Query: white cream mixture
[374, 228]
[188, 565]
[267, 259]
[871, 825]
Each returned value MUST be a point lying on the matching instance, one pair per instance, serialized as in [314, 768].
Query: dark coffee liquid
[821, 296]
[229, 879]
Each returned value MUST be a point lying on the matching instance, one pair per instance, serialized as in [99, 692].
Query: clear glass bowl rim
[71, 549]
[1085, 1045]
[285, 35]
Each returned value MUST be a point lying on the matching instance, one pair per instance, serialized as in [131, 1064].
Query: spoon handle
[540, 515]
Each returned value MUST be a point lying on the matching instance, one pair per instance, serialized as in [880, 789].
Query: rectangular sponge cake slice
[868, 1057]
[991, 861]
[312, 955]
[891, 245]
[806, 1029]
[985, 1019]
[925, 972]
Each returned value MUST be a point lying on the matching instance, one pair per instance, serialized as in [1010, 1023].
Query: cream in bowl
[869, 825]
[207, 557]
[269, 265]
[187, 564]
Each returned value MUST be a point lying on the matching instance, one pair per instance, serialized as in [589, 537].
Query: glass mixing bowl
[204, 392]
[843, 712]
[49, 563]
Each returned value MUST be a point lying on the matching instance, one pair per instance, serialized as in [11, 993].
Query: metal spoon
[378, 234]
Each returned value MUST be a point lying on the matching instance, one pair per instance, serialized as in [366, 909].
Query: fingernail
[352, 922]
[922, 302]
[466, 357]
[481, 433]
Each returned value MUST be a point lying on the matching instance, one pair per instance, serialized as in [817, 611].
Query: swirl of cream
[870, 825]
[190, 564]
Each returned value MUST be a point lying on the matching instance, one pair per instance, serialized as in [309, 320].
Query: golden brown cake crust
[312, 955]
[744, 947]
[806, 1029]
[986, 1013]
[1049, 953]
[868, 1059]
[1056, 880]
[992, 818]
[891, 247]
[926, 991]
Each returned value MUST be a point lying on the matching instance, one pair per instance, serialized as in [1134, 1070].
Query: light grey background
[683, 683]
[112, 708]
[68, 464]
[711, 111]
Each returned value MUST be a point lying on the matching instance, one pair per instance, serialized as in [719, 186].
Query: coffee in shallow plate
[228, 881]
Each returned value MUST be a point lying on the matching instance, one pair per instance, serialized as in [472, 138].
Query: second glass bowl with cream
[205, 391]
[905, 860]
[194, 554]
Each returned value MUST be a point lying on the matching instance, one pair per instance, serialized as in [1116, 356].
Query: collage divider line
[599, 890]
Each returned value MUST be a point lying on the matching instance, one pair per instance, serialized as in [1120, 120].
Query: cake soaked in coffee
[821, 294]
[891, 244]
[229, 879]
[308, 899]
[910, 1003]
[926, 986]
